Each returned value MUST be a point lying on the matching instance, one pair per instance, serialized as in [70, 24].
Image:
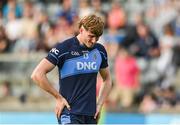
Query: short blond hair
[92, 23]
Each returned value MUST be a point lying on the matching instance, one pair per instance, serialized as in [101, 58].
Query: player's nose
[93, 40]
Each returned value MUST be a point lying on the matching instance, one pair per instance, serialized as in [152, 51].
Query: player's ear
[81, 30]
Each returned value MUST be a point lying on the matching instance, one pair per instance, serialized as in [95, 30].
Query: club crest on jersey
[55, 51]
[94, 56]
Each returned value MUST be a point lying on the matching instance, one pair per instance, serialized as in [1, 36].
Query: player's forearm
[104, 91]
[42, 81]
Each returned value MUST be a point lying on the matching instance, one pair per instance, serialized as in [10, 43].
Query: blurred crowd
[142, 39]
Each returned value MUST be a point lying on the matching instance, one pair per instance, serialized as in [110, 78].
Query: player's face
[89, 39]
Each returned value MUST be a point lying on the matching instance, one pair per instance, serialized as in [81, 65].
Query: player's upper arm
[42, 69]
[105, 73]
[103, 53]
[45, 66]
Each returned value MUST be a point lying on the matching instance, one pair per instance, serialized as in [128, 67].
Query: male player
[79, 59]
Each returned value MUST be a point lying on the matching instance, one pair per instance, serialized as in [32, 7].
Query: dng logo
[54, 50]
[86, 66]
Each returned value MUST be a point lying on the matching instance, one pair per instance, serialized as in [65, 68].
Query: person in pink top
[126, 78]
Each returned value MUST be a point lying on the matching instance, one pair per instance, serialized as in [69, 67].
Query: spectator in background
[84, 8]
[146, 45]
[28, 40]
[97, 9]
[1, 19]
[167, 42]
[48, 39]
[156, 17]
[12, 5]
[41, 17]
[14, 29]
[164, 64]
[149, 103]
[176, 57]
[146, 49]
[176, 24]
[4, 42]
[53, 35]
[116, 16]
[65, 26]
[113, 36]
[170, 97]
[3, 45]
[5, 89]
[63, 29]
[43, 26]
[126, 78]
[67, 12]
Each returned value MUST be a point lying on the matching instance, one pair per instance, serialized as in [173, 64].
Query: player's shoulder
[100, 47]
[102, 50]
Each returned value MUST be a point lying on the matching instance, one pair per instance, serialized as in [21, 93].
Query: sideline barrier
[111, 118]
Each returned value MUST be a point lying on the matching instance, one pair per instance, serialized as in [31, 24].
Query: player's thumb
[95, 116]
[68, 106]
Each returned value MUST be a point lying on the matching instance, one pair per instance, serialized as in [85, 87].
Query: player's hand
[60, 104]
[97, 114]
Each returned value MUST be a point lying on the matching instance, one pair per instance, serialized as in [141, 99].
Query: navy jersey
[78, 67]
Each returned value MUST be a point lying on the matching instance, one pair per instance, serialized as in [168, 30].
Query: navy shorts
[76, 119]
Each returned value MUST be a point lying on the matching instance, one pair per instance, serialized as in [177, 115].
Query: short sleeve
[55, 55]
[104, 56]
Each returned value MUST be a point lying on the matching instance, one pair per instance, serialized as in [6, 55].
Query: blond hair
[92, 23]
